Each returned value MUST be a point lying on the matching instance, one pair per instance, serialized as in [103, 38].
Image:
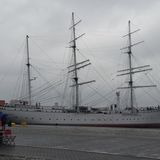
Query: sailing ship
[19, 111]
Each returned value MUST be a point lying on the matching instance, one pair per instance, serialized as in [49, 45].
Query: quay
[82, 143]
[40, 153]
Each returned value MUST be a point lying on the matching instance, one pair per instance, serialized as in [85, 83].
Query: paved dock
[40, 153]
[83, 143]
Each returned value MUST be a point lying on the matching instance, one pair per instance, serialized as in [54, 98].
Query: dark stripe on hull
[142, 125]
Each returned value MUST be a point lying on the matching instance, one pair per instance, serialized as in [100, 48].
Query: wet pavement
[40, 153]
[83, 143]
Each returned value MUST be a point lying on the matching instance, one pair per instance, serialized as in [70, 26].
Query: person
[3, 122]
[3, 118]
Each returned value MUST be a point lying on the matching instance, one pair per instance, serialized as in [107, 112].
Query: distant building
[2, 102]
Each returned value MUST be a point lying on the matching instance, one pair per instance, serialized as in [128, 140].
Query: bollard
[24, 124]
[13, 124]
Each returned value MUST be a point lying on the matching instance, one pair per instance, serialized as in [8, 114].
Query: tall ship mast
[132, 70]
[76, 65]
[28, 71]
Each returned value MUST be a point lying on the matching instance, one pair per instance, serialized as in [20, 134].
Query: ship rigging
[132, 70]
[76, 65]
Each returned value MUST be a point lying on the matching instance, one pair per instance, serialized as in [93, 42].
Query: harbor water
[80, 143]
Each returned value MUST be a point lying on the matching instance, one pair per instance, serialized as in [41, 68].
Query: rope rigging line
[157, 82]
[13, 61]
[42, 76]
[43, 89]
[46, 99]
[94, 67]
[99, 94]
[157, 100]
[42, 51]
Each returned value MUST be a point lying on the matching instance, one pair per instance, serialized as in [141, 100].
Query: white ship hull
[148, 119]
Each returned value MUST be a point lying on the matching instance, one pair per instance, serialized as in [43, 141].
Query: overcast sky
[47, 23]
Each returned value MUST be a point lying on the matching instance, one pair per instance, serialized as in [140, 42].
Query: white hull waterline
[145, 118]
